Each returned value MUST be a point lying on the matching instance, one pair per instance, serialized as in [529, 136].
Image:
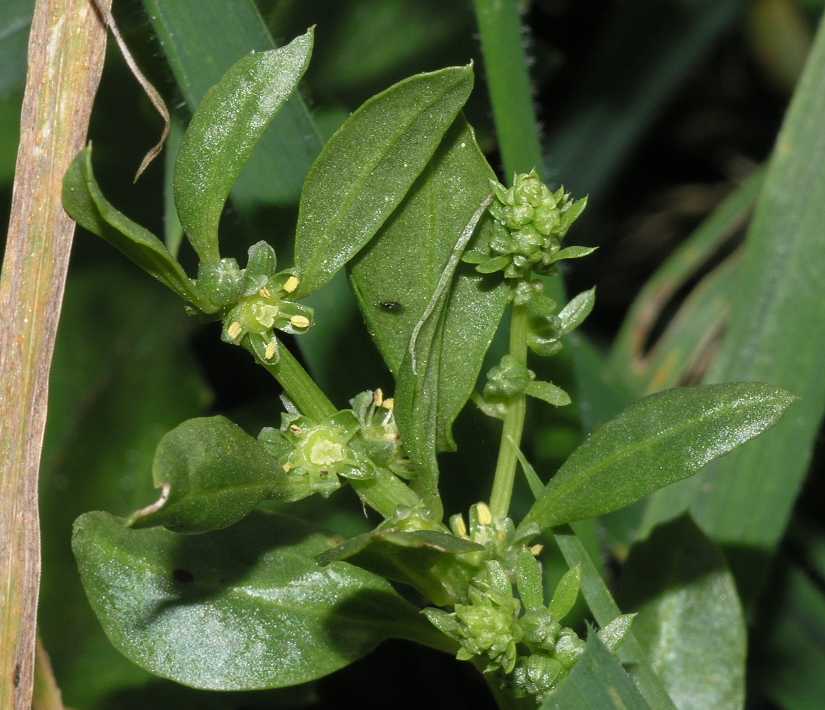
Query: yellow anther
[536, 550]
[378, 397]
[234, 330]
[458, 526]
[287, 467]
[291, 284]
[299, 321]
[485, 517]
[389, 404]
[295, 429]
[271, 349]
[265, 292]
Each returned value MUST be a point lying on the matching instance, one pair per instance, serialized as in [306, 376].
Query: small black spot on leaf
[391, 306]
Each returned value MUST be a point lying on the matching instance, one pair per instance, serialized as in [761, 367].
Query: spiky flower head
[531, 223]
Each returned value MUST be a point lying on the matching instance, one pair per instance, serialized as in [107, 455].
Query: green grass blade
[508, 80]
[776, 336]
[15, 20]
[627, 356]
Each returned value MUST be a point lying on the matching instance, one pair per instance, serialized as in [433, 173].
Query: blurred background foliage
[658, 109]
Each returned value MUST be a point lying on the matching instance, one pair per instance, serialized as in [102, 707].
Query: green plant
[218, 585]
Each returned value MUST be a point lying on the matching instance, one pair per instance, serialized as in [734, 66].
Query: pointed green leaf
[656, 441]
[404, 264]
[240, 609]
[614, 633]
[690, 621]
[213, 474]
[369, 165]
[579, 307]
[224, 131]
[573, 252]
[547, 392]
[597, 682]
[85, 203]
[529, 580]
[566, 593]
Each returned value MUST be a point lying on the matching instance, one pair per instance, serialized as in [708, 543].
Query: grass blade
[776, 336]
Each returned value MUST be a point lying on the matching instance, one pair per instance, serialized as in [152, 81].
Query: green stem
[513, 423]
[298, 385]
[384, 493]
[508, 81]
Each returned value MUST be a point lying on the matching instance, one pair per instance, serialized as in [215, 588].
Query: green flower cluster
[487, 626]
[351, 444]
[254, 302]
[503, 623]
[531, 222]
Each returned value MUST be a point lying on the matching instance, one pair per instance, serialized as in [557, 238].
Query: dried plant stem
[66, 51]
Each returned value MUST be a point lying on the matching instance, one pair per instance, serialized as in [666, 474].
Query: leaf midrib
[562, 488]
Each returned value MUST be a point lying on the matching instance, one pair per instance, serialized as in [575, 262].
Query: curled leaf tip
[165, 490]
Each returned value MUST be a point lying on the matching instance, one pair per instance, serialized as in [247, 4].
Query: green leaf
[566, 593]
[776, 335]
[224, 131]
[424, 559]
[111, 399]
[575, 312]
[369, 165]
[243, 608]
[85, 203]
[529, 580]
[597, 682]
[547, 392]
[213, 474]
[690, 619]
[606, 611]
[616, 631]
[404, 265]
[656, 441]
[573, 252]
[202, 39]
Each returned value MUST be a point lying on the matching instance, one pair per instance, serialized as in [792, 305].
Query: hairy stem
[513, 423]
[508, 80]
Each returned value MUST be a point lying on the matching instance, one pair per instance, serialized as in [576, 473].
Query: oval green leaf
[403, 266]
[224, 131]
[213, 474]
[690, 621]
[85, 203]
[369, 165]
[241, 609]
[656, 441]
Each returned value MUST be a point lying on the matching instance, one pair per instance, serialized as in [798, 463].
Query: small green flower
[315, 454]
[531, 223]
[488, 625]
[536, 675]
[379, 436]
[254, 302]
